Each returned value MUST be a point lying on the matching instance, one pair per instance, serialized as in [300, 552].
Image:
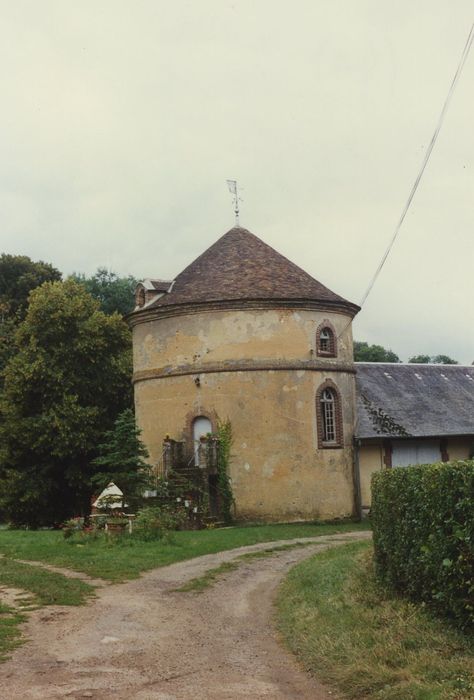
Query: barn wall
[371, 458]
[370, 461]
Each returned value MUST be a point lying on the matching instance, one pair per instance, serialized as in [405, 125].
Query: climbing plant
[224, 484]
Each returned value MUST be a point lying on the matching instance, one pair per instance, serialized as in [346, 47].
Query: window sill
[331, 446]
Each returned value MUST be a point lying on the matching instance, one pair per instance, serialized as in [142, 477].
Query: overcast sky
[121, 120]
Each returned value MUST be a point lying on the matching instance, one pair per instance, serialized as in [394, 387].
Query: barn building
[411, 414]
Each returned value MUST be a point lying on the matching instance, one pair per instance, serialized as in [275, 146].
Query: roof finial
[232, 185]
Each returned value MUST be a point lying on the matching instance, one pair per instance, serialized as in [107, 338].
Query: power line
[429, 150]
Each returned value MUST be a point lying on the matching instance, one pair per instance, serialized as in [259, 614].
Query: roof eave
[157, 310]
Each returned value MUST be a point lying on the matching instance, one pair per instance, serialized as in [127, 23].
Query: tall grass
[370, 646]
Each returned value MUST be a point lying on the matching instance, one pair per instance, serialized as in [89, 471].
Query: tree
[19, 275]
[443, 360]
[420, 359]
[123, 458]
[363, 352]
[64, 386]
[434, 359]
[113, 292]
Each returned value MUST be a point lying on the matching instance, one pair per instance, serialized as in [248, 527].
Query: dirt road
[143, 640]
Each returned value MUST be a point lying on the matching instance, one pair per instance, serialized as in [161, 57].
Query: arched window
[201, 427]
[329, 416]
[140, 297]
[326, 340]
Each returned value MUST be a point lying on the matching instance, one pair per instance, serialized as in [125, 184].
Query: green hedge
[423, 522]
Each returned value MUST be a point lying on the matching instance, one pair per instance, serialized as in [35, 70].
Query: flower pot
[116, 528]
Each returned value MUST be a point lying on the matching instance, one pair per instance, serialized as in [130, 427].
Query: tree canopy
[64, 386]
[432, 359]
[363, 352]
[114, 293]
[19, 275]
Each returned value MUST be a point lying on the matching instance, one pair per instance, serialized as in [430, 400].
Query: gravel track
[144, 640]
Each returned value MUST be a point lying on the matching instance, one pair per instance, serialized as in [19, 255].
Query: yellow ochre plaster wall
[370, 461]
[217, 336]
[459, 448]
[277, 470]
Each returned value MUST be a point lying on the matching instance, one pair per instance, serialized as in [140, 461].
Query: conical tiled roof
[240, 266]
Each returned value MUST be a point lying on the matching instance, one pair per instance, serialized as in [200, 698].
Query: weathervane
[232, 185]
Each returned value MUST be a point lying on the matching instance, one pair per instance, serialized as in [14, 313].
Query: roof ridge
[415, 364]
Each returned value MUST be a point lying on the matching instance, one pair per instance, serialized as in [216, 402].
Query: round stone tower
[246, 335]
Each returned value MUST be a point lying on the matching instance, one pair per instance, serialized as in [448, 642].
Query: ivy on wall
[224, 484]
[383, 423]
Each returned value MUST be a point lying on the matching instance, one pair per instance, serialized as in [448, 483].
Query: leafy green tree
[8, 327]
[19, 275]
[113, 292]
[363, 352]
[67, 381]
[122, 458]
[420, 359]
[443, 360]
[434, 359]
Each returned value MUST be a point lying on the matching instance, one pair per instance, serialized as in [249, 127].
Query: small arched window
[201, 427]
[329, 417]
[326, 341]
[140, 297]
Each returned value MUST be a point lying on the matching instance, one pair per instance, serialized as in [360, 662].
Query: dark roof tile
[424, 400]
[241, 266]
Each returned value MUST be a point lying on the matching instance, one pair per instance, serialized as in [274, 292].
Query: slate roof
[157, 285]
[161, 285]
[241, 266]
[424, 400]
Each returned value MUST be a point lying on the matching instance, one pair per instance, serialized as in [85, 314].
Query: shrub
[423, 521]
[154, 522]
[72, 527]
[86, 531]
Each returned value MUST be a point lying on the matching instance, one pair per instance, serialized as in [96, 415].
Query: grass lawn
[126, 559]
[354, 637]
[45, 587]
